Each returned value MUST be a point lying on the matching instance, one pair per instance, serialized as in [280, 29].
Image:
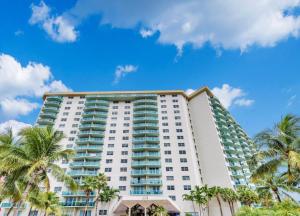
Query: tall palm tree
[280, 149]
[45, 201]
[216, 192]
[34, 159]
[108, 194]
[189, 197]
[200, 197]
[246, 195]
[160, 211]
[89, 184]
[229, 195]
[100, 186]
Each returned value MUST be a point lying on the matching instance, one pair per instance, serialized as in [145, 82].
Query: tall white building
[154, 146]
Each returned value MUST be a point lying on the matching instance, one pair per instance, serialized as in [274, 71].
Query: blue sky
[250, 61]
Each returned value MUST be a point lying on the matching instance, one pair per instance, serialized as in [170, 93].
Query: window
[185, 178]
[102, 212]
[125, 138]
[169, 169]
[74, 125]
[127, 102]
[111, 138]
[178, 123]
[73, 132]
[111, 145]
[162, 95]
[115, 102]
[184, 169]
[109, 161]
[164, 124]
[176, 106]
[123, 178]
[65, 113]
[126, 124]
[70, 146]
[124, 152]
[170, 187]
[186, 187]
[181, 144]
[114, 113]
[183, 160]
[164, 112]
[163, 106]
[81, 102]
[172, 197]
[125, 131]
[64, 119]
[167, 152]
[70, 97]
[182, 152]
[123, 169]
[113, 118]
[124, 145]
[113, 124]
[112, 131]
[76, 119]
[62, 125]
[177, 117]
[57, 189]
[176, 111]
[179, 137]
[127, 107]
[174, 95]
[67, 108]
[107, 169]
[165, 130]
[80, 108]
[178, 130]
[175, 101]
[122, 188]
[166, 137]
[110, 153]
[163, 101]
[170, 178]
[126, 118]
[71, 138]
[124, 160]
[168, 160]
[127, 112]
[82, 97]
[115, 107]
[167, 144]
[78, 113]
[69, 102]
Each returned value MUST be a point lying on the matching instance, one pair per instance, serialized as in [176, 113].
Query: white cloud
[291, 100]
[229, 95]
[146, 33]
[189, 91]
[229, 24]
[15, 125]
[19, 82]
[59, 28]
[15, 107]
[122, 70]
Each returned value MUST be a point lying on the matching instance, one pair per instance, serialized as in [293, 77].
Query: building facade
[154, 146]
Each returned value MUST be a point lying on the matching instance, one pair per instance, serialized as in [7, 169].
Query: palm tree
[200, 197]
[34, 159]
[108, 194]
[246, 195]
[89, 184]
[216, 192]
[229, 195]
[160, 211]
[101, 184]
[46, 201]
[280, 148]
[189, 197]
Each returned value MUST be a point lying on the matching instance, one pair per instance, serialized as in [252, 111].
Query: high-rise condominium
[154, 146]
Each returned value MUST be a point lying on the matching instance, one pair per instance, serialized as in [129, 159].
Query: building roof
[189, 97]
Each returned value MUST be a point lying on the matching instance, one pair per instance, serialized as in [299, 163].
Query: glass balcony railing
[145, 147]
[145, 140]
[85, 164]
[146, 172]
[77, 204]
[145, 163]
[87, 155]
[137, 126]
[146, 155]
[89, 140]
[90, 147]
[146, 182]
[48, 115]
[145, 119]
[54, 98]
[95, 107]
[52, 103]
[78, 193]
[145, 107]
[50, 109]
[91, 133]
[145, 101]
[144, 192]
[96, 126]
[97, 102]
[145, 113]
[145, 132]
[45, 121]
[103, 120]
[82, 173]
[95, 114]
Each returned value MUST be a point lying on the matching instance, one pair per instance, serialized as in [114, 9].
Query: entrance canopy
[146, 201]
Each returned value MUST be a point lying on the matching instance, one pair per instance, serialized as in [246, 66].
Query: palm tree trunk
[30, 211]
[233, 211]
[10, 209]
[207, 209]
[86, 203]
[277, 195]
[220, 205]
[96, 204]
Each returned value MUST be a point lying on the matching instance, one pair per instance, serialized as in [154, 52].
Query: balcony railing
[82, 173]
[144, 192]
[146, 155]
[146, 182]
[145, 163]
[146, 172]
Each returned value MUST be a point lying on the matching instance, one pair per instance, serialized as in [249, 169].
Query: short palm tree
[108, 194]
[246, 195]
[160, 211]
[48, 202]
[100, 186]
[229, 195]
[200, 197]
[89, 184]
[34, 159]
[280, 149]
[189, 197]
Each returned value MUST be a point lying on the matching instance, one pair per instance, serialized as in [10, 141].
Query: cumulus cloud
[229, 24]
[16, 126]
[19, 83]
[59, 28]
[122, 70]
[189, 91]
[229, 95]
